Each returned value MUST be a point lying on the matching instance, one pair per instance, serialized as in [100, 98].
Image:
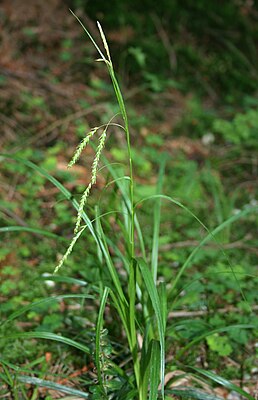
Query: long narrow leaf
[88, 33]
[126, 199]
[156, 222]
[31, 230]
[132, 317]
[145, 362]
[223, 382]
[192, 393]
[58, 185]
[154, 370]
[162, 290]
[211, 234]
[52, 385]
[111, 268]
[212, 332]
[63, 279]
[37, 303]
[153, 293]
[47, 336]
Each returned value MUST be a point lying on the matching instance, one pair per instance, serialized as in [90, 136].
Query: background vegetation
[189, 75]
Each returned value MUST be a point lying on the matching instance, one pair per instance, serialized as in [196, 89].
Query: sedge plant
[148, 362]
[139, 300]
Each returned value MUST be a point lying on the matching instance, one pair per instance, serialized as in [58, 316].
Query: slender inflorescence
[104, 42]
[81, 206]
[93, 180]
[95, 164]
[81, 146]
[69, 250]
[85, 195]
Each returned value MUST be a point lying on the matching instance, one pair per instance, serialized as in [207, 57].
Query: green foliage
[241, 130]
[220, 344]
[205, 47]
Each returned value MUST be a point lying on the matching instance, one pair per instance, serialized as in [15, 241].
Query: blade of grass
[57, 184]
[7, 377]
[112, 270]
[155, 301]
[20, 369]
[154, 370]
[150, 368]
[222, 381]
[31, 230]
[211, 234]
[145, 362]
[47, 336]
[37, 303]
[212, 332]
[117, 296]
[123, 191]
[63, 279]
[51, 385]
[156, 221]
[192, 393]
[132, 318]
[88, 33]
[162, 290]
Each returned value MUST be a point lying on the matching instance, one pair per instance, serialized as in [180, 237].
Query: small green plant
[241, 130]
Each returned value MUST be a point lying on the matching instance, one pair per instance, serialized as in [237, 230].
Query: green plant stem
[127, 132]
[133, 333]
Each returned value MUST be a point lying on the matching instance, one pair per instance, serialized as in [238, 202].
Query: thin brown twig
[66, 120]
[28, 76]
[239, 244]
[199, 313]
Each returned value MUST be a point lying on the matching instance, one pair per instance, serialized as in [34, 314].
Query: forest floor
[51, 94]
